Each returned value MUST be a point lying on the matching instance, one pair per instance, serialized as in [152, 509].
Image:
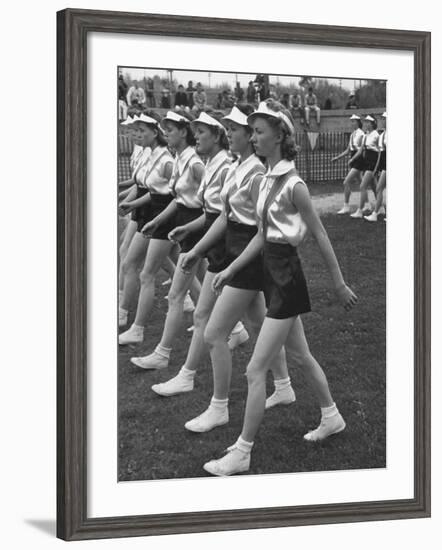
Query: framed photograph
[218, 181]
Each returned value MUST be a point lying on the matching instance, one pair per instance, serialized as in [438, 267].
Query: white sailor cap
[147, 119]
[355, 117]
[263, 110]
[206, 119]
[384, 114]
[129, 120]
[174, 117]
[370, 118]
[237, 116]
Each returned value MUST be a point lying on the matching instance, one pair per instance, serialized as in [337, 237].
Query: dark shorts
[285, 287]
[216, 255]
[383, 161]
[185, 215]
[157, 204]
[238, 236]
[358, 164]
[370, 159]
[141, 215]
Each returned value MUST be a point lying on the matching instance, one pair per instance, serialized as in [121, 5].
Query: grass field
[153, 443]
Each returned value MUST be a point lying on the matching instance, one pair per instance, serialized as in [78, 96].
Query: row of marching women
[218, 202]
[368, 159]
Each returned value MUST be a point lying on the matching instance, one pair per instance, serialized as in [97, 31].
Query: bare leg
[354, 175]
[380, 190]
[129, 233]
[130, 266]
[366, 181]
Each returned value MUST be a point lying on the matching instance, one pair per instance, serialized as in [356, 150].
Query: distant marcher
[136, 96]
[181, 97]
[381, 167]
[311, 104]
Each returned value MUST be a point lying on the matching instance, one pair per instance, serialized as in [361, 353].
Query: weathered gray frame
[72, 29]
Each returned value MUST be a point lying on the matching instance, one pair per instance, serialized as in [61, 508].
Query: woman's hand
[221, 279]
[189, 260]
[150, 227]
[334, 159]
[125, 207]
[178, 234]
[346, 296]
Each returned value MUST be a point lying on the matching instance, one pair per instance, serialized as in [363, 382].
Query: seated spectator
[190, 91]
[226, 101]
[352, 103]
[311, 104]
[296, 107]
[199, 99]
[181, 97]
[136, 96]
[122, 88]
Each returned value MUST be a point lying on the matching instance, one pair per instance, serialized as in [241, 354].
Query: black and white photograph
[252, 219]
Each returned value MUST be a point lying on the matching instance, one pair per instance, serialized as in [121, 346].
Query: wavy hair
[289, 148]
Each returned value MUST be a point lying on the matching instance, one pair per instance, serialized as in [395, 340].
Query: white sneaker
[154, 361]
[122, 318]
[328, 426]
[357, 214]
[167, 282]
[234, 462]
[209, 419]
[237, 338]
[188, 305]
[174, 386]
[373, 217]
[131, 336]
[281, 397]
[344, 210]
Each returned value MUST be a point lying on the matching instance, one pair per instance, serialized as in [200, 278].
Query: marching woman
[286, 212]
[152, 197]
[184, 206]
[381, 167]
[236, 226]
[211, 142]
[356, 167]
[369, 152]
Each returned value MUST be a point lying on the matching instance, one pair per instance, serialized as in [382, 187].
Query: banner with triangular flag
[313, 137]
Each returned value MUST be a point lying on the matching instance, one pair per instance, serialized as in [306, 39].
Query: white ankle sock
[243, 445]
[219, 404]
[282, 383]
[137, 328]
[123, 311]
[238, 328]
[327, 412]
[164, 352]
[187, 373]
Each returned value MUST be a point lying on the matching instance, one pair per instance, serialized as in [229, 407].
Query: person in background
[199, 99]
[190, 91]
[296, 107]
[227, 101]
[328, 103]
[150, 98]
[181, 97]
[311, 104]
[136, 96]
[381, 167]
[251, 93]
[352, 103]
[239, 93]
[165, 98]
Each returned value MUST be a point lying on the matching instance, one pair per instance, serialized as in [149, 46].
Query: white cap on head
[355, 117]
[129, 120]
[370, 118]
[147, 120]
[263, 110]
[237, 116]
[174, 117]
[384, 114]
[206, 119]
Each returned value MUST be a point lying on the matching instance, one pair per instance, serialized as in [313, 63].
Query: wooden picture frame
[73, 27]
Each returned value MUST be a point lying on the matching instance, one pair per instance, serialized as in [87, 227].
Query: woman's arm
[126, 183]
[303, 202]
[128, 194]
[346, 152]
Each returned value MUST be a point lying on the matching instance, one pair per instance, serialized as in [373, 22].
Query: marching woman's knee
[213, 336]
[200, 317]
[147, 277]
[256, 373]
[128, 266]
[176, 296]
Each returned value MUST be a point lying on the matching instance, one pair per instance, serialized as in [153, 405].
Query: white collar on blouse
[157, 153]
[280, 168]
[214, 163]
[183, 158]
